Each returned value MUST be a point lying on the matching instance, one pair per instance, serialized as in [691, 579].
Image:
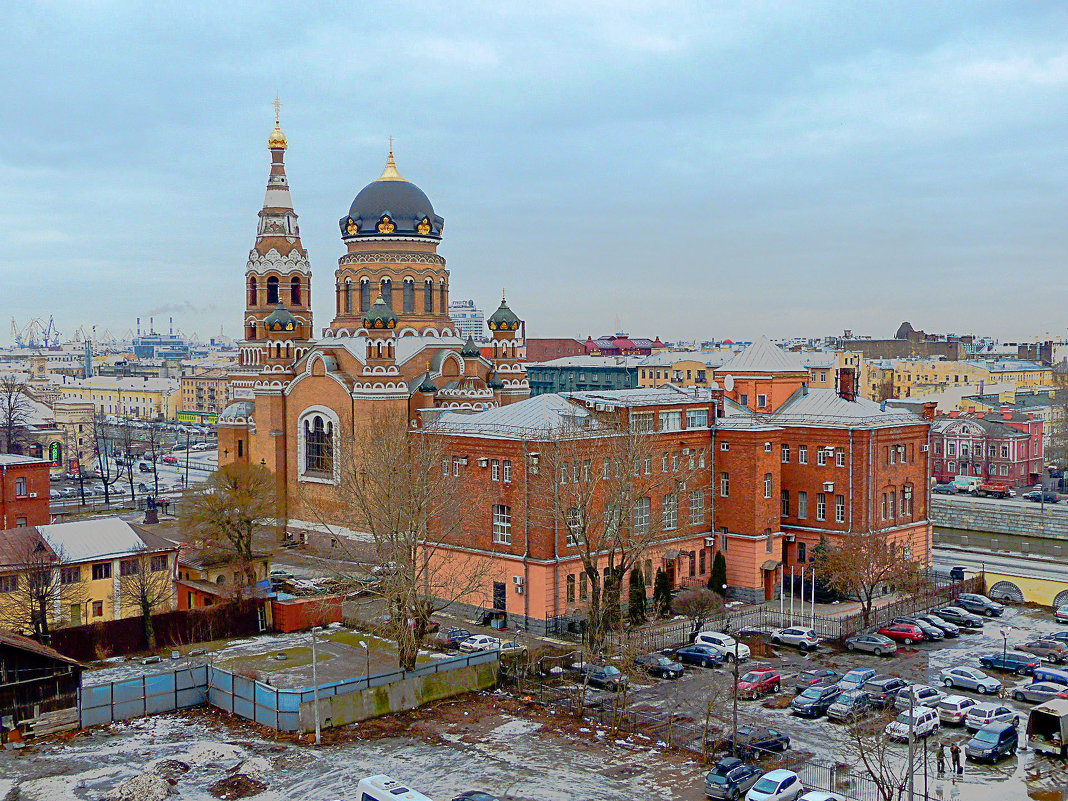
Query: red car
[759, 682]
[903, 632]
[169, 460]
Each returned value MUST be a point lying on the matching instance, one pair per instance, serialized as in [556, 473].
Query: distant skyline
[682, 170]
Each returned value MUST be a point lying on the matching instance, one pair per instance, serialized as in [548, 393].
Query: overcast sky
[687, 170]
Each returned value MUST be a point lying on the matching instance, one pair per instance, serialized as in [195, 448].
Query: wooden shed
[38, 686]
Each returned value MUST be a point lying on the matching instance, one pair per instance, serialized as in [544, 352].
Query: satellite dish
[728, 383]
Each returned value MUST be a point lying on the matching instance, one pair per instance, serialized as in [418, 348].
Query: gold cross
[277, 106]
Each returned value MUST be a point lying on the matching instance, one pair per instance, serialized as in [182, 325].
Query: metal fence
[671, 634]
[239, 695]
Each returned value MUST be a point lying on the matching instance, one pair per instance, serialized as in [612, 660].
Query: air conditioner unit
[33, 494]
[925, 448]
[463, 461]
[828, 486]
[517, 580]
[829, 450]
[483, 461]
[600, 407]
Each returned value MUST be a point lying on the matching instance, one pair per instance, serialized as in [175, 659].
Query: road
[171, 481]
[974, 562]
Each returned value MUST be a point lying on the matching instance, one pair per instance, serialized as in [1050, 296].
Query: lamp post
[734, 691]
[315, 687]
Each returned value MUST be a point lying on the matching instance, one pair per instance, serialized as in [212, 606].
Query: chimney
[980, 415]
[1006, 414]
[847, 384]
[928, 413]
[971, 410]
[954, 414]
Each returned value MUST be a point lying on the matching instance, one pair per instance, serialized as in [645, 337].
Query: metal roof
[97, 539]
[8, 459]
[764, 357]
[826, 407]
[540, 414]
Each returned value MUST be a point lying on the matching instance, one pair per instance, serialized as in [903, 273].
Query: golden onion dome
[277, 141]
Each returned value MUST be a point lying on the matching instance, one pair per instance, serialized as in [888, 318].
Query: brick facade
[24, 488]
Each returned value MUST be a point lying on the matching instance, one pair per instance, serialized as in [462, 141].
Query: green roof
[503, 319]
[379, 315]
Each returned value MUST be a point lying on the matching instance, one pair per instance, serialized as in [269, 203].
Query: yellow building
[203, 395]
[906, 378]
[96, 568]
[681, 368]
[824, 367]
[141, 398]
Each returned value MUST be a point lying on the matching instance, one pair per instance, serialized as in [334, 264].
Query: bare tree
[15, 410]
[146, 584]
[867, 745]
[863, 565]
[39, 582]
[699, 604]
[104, 445]
[603, 477]
[390, 485]
[234, 509]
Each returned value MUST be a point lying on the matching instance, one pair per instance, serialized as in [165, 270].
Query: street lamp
[315, 686]
[1004, 646]
[734, 691]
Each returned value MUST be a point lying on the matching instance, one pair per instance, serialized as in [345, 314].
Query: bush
[662, 594]
[636, 611]
[718, 579]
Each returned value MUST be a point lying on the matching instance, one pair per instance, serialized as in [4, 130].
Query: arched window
[272, 290]
[318, 446]
[444, 304]
[365, 294]
[294, 291]
[252, 292]
[348, 296]
[428, 297]
[387, 292]
[409, 296]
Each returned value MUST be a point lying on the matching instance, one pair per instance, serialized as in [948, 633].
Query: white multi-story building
[468, 319]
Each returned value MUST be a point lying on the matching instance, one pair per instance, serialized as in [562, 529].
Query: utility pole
[315, 688]
[187, 466]
[912, 741]
[734, 691]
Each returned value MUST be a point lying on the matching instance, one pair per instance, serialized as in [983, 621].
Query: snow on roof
[86, 540]
[825, 406]
[542, 413]
[764, 357]
[8, 459]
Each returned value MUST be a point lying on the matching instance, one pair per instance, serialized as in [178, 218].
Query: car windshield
[812, 693]
[751, 677]
[986, 736]
[904, 718]
[611, 671]
[766, 785]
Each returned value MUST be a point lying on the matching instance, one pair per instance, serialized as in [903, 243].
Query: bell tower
[277, 276]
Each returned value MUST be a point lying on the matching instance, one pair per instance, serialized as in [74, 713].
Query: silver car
[877, 644]
[984, 714]
[1039, 692]
[799, 637]
[968, 678]
[925, 696]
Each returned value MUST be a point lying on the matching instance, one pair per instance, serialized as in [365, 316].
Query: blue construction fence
[247, 698]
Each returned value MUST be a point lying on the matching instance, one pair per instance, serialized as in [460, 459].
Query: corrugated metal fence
[247, 698]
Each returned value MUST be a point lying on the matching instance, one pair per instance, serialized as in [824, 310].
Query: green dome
[280, 319]
[380, 315]
[503, 319]
[470, 349]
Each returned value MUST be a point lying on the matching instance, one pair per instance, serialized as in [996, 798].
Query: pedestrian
[954, 752]
[941, 758]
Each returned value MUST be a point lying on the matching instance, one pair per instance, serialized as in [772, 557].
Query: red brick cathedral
[391, 348]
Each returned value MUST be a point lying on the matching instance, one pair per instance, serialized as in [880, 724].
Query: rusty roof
[26, 644]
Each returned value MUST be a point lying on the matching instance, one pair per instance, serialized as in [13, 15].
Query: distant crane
[35, 334]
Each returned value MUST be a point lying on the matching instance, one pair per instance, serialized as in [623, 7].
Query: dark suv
[1009, 663]
[992, 742]
[814, 701]
[979, 604]
[606, 677]
[883, 690]
[730, 778]
[755, 741]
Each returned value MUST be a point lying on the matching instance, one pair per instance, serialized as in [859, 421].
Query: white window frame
[502, 524]
[495, 469]
[330, 416]
[839, 508]
[802, 454]
[821, 506]
[507, 471]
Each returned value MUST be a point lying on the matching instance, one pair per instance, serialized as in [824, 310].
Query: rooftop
[763, 356]
[9, 459]
[100, 538]
[826, 407]
[591, 362]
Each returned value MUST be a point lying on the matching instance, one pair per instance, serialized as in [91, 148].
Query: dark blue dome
[406, 206]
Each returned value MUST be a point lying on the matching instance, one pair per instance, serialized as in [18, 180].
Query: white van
[383, 788]
[725, 643]
[969, 484]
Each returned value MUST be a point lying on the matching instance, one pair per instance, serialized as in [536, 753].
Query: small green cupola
[470, 350]
[379, 316]
[504, 319]
[280, 320]
[426, 384]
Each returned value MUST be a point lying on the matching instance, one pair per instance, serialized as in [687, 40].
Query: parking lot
[1012, 777]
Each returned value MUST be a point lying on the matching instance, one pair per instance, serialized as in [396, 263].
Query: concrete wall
[1001, 517]
[399, 696]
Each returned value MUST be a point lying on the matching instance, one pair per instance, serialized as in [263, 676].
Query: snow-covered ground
[498, 752]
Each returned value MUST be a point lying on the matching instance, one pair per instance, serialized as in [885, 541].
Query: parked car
[703, 655]
[730, 778]
[905, 633]
[960, 617]
[1040, 496]
[969, 678]
[475, 795]
[856, 678]
[776, 785]
[979, 604]
[923, 720]
[954, 708]
[659, 665]
[1056, 675]
[820, 677]
[930, 632]
[872, 643]
[755, 741]
[949, 630]
[992, 712]
[1053, 651]
[883, 690]
[925, 696]
[759, 682]
[1038, 692]
[510, 649]
[799, 637]
[480, 642]
[943, 489]
[144, 467]
[1060, 614]
[821, 795]
[1057, 635]
[815, 700]
[993, 742]
[724, 642]
[169, 459]
[454, 636]
[1009, 663]
[850, 706]
[607, 677]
